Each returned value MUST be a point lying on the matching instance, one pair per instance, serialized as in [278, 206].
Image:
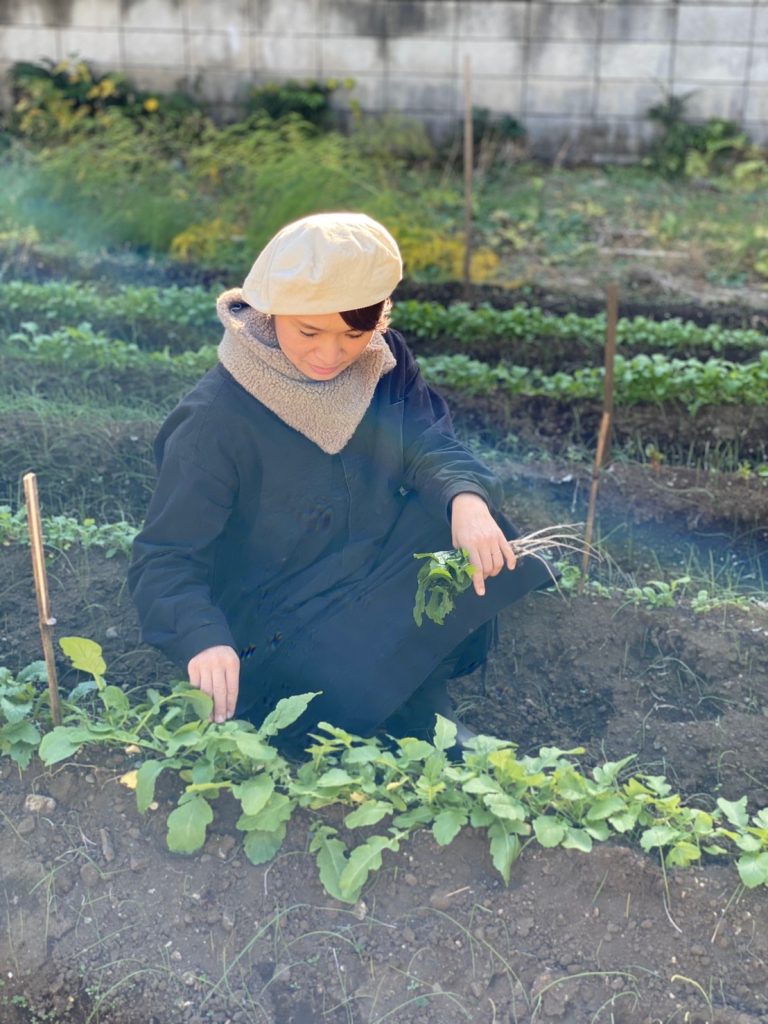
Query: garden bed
[104, 925]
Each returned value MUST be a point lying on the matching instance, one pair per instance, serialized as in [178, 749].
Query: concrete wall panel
[149, 14]
[348, 17]
[759, 68]
[97, 46]
[218, 15]
[560, 97]
[425, 95]
[22, 42]
[220, 50]
[562, 60]
[439, 55]
[291, 56]
[501, 95]
[94, 14]
[639, 23]
[726, 101]
[492, 19]
[694, 62]
[491, 57]
[564, 21]
[616, 97]
[427, 18]
[703, 23]
[757, 106]
[155, 49]
[635, 60]
[346, 55]
[274, 17]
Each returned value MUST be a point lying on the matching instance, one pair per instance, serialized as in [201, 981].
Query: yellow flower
[151, 105]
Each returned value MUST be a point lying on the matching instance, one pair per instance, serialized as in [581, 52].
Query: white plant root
[554, 540]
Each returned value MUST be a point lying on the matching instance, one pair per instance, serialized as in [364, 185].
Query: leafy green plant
[54, 99]
[399, 786]
[445, 575]
[310, 100]
[63, 532]
[20, 701]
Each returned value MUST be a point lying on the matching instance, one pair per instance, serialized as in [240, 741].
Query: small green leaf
[331, 860]
[115, 700]
[505, 849]
[415, 750]
[504, 806]
[254, 793]
[445, 733]
[254, 748]
[334, 778]
[146, 777]
[285, 713]
[62, 742]
[549, 831]
[735, 811]
[447, 825]
[658, 835]
[577, 839]
[35, 672]
[605, 806]
[624, 821]
[753, 869]
[598, 830]
[84, 654]
[262, 846]
[682, 855]
[362, 860]
[277, 810]
[202, 703]
[369, 813]
[187, 824]
[13, 712]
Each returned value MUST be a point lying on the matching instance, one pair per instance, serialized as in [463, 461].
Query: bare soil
[103, 926]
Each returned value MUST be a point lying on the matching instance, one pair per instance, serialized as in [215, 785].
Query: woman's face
[320, 346]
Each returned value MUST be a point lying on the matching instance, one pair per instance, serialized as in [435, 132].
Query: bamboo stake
[469, 158]
[47, 622]
[612, 316]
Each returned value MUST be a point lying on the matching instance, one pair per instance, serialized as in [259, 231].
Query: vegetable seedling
[447, 574]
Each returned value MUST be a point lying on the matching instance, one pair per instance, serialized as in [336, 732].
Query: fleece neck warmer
[326, 411]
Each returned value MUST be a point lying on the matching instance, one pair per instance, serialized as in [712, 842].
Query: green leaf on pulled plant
[439, 582]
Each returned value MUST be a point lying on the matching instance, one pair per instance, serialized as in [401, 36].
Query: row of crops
[30, 357]
[88, 375]
[183, 319]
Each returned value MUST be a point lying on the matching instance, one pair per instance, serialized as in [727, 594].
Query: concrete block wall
[580, 74]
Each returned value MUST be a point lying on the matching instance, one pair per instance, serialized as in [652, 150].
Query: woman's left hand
[474, 528]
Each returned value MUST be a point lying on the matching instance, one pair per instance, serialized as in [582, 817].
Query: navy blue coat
[258, 539]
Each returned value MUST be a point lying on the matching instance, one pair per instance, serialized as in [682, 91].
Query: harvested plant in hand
[447, 574]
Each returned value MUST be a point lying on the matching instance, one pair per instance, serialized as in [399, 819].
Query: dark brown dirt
[104, 926]
[738, 432]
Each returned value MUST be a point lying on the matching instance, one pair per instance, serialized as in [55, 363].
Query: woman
[296, 481]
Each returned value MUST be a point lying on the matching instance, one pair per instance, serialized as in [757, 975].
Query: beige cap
[326, 263]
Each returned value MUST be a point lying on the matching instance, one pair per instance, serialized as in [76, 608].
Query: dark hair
[370, 318]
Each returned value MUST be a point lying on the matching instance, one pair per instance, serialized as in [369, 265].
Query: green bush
[52, 100]
[311, 101]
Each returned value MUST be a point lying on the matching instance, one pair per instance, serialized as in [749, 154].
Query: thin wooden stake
[612, 316]
[47, 622]
[469, 159]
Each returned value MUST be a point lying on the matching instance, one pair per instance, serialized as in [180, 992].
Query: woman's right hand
[216, 671]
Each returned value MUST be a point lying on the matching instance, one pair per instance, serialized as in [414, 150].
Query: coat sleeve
[171, 573]
[437, 466]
